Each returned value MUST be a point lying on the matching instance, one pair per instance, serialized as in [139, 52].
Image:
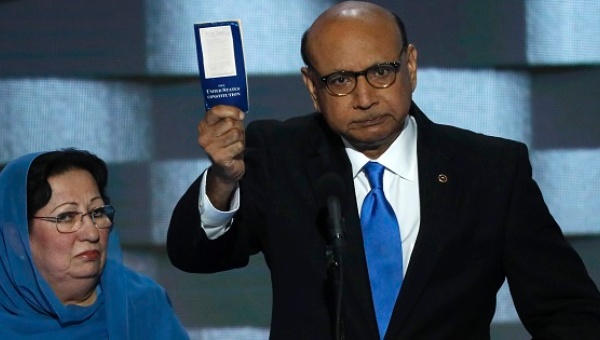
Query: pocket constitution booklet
[221, 63]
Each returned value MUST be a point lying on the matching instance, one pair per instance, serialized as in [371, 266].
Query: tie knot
[374, 172]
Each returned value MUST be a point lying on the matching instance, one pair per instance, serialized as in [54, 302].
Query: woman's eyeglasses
[102, 217]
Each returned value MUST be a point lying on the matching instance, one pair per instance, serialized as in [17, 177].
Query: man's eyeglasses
[380, 76]
[102, 218]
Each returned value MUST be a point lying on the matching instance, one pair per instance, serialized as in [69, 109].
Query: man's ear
[310, 86]
[412, 65]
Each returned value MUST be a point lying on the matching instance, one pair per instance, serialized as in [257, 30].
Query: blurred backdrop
[120, 78]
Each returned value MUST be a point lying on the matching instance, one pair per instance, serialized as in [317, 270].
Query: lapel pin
[442, 178]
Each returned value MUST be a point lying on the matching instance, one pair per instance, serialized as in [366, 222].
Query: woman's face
[70, 262]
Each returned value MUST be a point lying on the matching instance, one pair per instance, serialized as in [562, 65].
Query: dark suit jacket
[487, 222]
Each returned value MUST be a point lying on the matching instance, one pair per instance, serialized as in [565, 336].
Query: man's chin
[363, 145]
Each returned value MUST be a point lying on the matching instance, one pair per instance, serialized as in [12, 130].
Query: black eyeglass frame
[109, 211]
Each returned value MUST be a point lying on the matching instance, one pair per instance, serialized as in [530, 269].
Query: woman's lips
[89, 255]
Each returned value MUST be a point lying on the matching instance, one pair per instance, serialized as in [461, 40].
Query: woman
[62, 273]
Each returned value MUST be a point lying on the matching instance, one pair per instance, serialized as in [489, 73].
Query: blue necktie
[383, 247]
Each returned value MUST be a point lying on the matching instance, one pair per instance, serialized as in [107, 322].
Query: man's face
[369, 118]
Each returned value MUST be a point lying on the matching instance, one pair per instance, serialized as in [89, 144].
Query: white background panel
[563, 32]
[486, 101]
[271, 32]
[111, 119]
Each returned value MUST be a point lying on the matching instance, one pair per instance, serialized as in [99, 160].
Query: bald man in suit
[469, 213]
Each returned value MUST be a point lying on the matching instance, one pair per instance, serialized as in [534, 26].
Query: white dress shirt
[400, 186]
[400, 183]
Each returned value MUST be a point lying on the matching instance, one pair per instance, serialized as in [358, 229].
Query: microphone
[336, 232]
[331, 186]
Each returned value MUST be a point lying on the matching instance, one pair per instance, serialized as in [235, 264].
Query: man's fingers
[224, 152]
[220, 112]
[221, 134]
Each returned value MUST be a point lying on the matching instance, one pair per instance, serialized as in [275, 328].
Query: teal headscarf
[129, 305]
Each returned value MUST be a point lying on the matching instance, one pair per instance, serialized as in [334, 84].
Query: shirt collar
[400, 157]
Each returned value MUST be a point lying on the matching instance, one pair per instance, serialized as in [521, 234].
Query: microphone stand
[334, 260]
[337, 270]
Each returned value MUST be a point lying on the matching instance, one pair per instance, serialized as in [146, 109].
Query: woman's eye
[66, 217]
[100, 212]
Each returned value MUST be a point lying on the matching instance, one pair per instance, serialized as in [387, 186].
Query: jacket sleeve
[552, 291]
[188, 247]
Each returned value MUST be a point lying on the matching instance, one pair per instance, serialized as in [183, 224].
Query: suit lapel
[434, 153]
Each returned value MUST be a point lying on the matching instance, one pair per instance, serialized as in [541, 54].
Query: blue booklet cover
[221, 64]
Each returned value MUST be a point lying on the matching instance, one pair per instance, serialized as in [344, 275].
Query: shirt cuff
[214, 221]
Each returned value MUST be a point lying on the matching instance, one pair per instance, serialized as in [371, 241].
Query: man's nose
[364, 93]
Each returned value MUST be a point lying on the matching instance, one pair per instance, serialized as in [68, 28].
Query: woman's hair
[58, 162]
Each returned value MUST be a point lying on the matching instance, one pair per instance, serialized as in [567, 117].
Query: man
[465, 207]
